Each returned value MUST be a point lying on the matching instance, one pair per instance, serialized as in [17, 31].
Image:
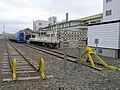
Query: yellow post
[42, 68]
[91, 60]
[14, 68]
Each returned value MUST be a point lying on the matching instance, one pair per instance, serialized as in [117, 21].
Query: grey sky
[19, 14]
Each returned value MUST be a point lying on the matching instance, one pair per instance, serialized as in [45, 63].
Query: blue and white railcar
[20, 37]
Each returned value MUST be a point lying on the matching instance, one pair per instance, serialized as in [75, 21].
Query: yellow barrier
[41, 68]
[89, 53]
[14, 68]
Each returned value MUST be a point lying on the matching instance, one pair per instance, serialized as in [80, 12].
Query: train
[54, 38]
[18, 37]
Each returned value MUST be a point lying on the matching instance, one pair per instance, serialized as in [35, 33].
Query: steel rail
[8, 53]
[28, 61]
[51, 52]
[60, 53]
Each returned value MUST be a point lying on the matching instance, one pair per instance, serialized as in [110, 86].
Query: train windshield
[21, 36]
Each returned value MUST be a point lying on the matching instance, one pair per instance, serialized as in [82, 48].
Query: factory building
[105, 36]
[52, 32]
[93, 18]
[52, 20]
[72, 24]
[76, 30]
[38, 24]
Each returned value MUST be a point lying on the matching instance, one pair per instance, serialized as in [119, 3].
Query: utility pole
[3, 30]
[33, 25]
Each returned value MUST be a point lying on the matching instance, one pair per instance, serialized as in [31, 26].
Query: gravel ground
[1, 58]
[72, 77]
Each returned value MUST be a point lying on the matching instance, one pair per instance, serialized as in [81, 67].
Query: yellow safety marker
[41, 68]
[14, 68]
[89, 53]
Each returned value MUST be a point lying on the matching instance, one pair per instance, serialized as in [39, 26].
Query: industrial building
[52, 20]
[93, 18]
[52, 32]
[38, 24]
[105, 36]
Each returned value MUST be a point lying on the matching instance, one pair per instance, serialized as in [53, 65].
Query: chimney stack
[66, 17]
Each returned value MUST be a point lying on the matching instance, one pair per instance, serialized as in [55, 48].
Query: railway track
[25, 67]
[60, 55]
[53, 53]
[75, 75]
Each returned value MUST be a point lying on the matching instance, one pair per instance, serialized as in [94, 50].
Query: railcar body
[20, 37]
[55, 39]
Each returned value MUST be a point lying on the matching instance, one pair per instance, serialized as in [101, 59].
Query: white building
[107, 33]
[52, 20]
[111, 10]
[37, 25]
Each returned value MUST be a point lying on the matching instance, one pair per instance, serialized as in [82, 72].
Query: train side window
[47, 35]
[51, 34]
[33, 36]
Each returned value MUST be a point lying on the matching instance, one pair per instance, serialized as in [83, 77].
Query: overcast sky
[19, 14]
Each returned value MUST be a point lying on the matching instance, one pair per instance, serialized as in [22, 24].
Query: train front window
[21, 34]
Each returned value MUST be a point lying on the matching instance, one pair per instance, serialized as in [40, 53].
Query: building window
[40, 23]
[109, 12]
[108, 1]
[40, 29]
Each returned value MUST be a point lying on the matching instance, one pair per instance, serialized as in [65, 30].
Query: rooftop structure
[93, 19]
